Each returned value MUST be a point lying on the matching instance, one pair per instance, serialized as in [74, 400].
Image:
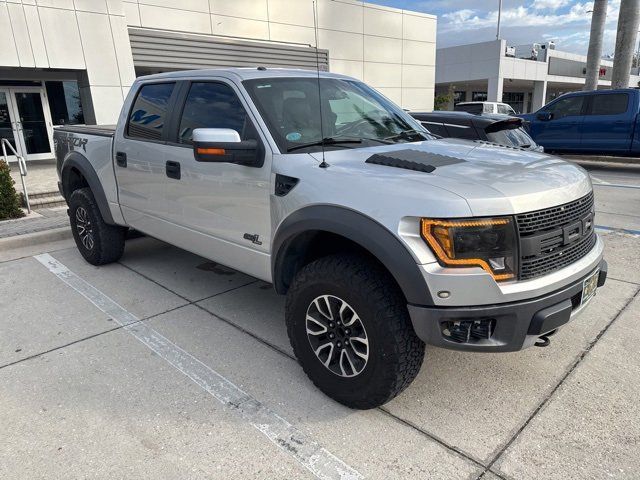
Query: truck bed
[101, 130]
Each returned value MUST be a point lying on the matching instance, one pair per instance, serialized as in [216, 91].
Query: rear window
[512, 137]
[462, 131]
[149, 111]
[436, 128]
[612, 104]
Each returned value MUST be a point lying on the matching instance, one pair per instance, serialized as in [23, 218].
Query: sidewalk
[45, 219]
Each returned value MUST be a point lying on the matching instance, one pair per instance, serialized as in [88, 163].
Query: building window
[515, 99]
[479, 96]
[459, 97]
[64, 103]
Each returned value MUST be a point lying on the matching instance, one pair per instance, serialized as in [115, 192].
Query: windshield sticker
[293, 136]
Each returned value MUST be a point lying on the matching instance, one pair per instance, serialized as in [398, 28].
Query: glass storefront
[64, 103]
[30, 109]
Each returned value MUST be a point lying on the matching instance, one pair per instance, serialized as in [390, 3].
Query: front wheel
[350, 330]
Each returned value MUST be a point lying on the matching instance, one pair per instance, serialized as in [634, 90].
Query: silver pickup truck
[382, 237]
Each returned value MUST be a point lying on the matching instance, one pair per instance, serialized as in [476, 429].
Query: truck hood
[493, 180]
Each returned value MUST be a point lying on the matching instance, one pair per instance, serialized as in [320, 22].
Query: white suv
[485, 107]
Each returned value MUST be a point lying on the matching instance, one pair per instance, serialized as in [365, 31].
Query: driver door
[218, 210]
[563, 131]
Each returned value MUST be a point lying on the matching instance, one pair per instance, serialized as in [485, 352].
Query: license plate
[589, 286]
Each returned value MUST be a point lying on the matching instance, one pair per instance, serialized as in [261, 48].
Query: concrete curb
[602, 159]
[36, 238]
[631, 167]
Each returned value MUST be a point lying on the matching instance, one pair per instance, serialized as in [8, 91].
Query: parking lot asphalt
[167, 365]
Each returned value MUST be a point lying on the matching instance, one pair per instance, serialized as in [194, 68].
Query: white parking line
[315, 458]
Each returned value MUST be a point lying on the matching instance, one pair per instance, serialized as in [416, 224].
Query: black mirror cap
[249, 153]
[545, 116]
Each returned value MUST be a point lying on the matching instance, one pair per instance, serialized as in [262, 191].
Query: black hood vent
[410, 159]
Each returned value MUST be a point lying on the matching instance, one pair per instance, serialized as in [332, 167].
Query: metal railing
[22, 165]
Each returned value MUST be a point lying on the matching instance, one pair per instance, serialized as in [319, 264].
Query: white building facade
[73, 61]
[489, 71]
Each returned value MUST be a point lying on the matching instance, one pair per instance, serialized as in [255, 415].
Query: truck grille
[544, 234]
[553, 217]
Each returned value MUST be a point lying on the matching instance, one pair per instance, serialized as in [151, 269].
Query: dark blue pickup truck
[599, 122]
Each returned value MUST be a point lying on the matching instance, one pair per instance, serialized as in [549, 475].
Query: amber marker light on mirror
[486, 243]
[211, 151]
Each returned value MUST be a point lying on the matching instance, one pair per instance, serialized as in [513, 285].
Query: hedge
[9, 201]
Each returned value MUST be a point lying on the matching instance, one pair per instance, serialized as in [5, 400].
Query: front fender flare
[362, 230]
[75, 160]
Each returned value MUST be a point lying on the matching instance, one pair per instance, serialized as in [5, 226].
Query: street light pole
[499, 15]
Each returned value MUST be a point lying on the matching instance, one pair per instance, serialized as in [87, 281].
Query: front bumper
[512, 326]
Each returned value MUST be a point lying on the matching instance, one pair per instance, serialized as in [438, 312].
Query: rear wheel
[350, 330]
[98, 242]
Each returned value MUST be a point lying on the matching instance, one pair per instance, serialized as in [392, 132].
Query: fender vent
[284, 184]
[412, 160]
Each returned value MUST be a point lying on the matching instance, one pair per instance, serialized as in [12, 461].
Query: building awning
[161, 50]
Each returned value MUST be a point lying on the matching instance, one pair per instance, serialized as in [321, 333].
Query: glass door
[33, 122]
[7, 122]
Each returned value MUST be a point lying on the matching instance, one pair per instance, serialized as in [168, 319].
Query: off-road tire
[395, 352]
[107, 243]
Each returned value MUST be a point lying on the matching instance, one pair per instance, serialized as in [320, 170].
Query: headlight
[489, 243]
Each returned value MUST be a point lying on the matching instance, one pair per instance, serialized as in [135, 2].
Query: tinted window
[462, 131]
[469, 107]
[213, 105]
[479, 96]
[149, 111]
[613, 104]
[512, 137]
[506, 109]
[436, 128]
[64, 103]
[566, 107]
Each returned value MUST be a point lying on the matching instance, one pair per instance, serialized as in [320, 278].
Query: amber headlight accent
[489, 243]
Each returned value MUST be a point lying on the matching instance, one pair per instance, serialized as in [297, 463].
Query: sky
[567, 22]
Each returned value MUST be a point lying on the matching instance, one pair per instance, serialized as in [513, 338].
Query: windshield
[513, 137]
[349, 110]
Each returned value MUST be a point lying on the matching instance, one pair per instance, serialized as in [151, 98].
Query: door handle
[173, 169]
[121, 159]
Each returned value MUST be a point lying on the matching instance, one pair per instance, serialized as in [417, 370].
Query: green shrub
[9, 202]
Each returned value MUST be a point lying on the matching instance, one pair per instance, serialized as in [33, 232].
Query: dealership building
[526, 76]
[73, 61]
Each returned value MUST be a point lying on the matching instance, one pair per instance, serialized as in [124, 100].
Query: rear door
[609, 123]
[563, 131]
[139, 155]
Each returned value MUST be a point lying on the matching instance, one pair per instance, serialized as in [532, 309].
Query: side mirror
[544, 116]
[223, 145]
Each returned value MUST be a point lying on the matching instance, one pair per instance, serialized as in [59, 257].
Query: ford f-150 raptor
[382, 237]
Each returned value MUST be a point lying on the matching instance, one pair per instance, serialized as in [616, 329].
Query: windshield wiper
[407, 135]
[325, 141]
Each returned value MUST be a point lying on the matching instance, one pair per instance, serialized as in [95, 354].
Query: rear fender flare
[79, 162]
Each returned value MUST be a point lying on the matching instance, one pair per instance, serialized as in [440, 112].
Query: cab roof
[245, 73]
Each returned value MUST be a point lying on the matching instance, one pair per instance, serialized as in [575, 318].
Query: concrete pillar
[494, 89]
[598, 19]
[538, 99]
[628, 20]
